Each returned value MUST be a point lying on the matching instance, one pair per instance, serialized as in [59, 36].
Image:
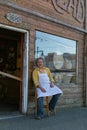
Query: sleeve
[35, 78]
[50, 75]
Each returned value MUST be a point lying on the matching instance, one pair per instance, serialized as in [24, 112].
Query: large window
[59, 55]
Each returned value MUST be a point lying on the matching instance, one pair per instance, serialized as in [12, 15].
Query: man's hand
[51, 85]
[42, 89]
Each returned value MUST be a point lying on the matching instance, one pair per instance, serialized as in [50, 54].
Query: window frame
[76, 59]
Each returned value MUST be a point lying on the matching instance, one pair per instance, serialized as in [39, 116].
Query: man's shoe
[38, 118]
[51, 110]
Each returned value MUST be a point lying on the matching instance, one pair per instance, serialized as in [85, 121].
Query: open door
[11, 67]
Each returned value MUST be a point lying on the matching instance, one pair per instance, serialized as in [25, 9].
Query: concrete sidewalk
[65, 119]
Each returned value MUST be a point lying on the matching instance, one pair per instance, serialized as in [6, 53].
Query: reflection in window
[59, 54]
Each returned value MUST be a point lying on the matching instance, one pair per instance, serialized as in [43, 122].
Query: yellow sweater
[36, 77]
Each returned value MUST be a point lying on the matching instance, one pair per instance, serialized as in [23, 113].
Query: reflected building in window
[59, 54]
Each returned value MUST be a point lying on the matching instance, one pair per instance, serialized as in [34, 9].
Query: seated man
[43, 82]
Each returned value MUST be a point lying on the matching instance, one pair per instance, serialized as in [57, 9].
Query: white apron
[45, 83]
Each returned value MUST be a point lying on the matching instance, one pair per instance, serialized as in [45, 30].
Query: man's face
[40, 63]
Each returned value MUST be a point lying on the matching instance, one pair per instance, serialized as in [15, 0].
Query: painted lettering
[57, 6]
[74, 7]
[62, 5]
[80, 16]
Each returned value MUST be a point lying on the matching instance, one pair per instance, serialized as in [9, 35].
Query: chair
[46, 105]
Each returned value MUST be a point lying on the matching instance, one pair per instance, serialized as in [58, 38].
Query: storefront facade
[53, 29]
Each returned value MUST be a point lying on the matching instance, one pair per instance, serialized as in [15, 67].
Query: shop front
[53, 29]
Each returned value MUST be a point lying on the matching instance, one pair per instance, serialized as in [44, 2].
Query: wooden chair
[46, 105]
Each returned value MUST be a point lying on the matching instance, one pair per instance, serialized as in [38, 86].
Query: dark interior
[9, 87]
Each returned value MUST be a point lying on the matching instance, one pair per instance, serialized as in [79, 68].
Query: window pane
[59, 54]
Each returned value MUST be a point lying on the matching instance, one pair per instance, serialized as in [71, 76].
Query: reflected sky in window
[49, 43]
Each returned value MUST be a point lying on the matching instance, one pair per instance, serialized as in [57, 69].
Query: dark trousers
[52, 104]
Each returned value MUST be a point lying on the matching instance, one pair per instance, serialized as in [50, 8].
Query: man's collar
[39, 68]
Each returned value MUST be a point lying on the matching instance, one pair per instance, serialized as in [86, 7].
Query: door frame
[25, 66]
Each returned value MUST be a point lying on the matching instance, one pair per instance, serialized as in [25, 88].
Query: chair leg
[47, 106]
[35, 108]
[54, 111]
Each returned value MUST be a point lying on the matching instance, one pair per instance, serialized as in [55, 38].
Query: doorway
[12, 82]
